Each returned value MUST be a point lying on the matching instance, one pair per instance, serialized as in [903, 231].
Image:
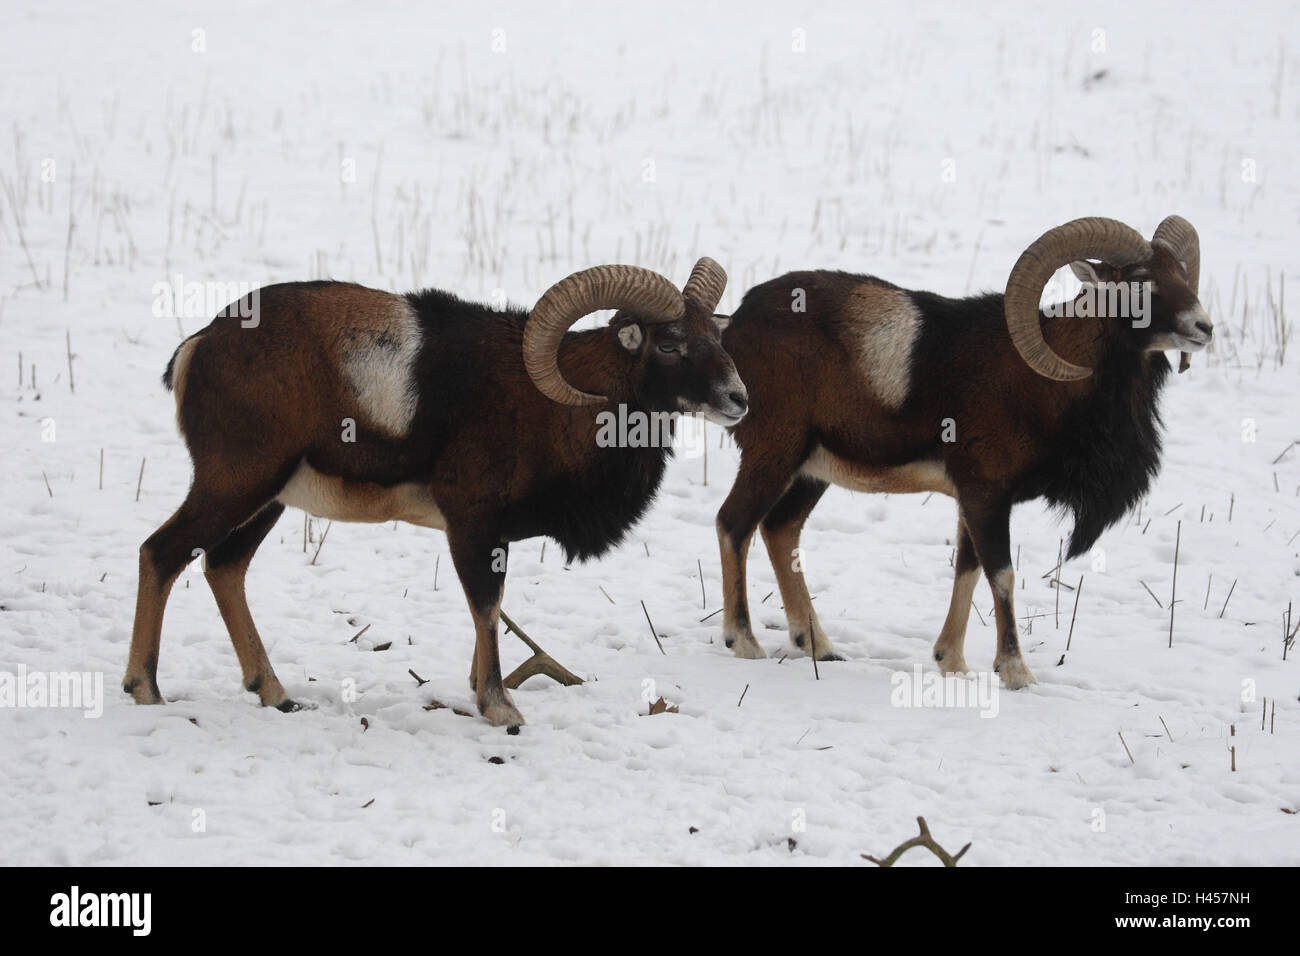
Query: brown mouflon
[859, 383]
[361, 405]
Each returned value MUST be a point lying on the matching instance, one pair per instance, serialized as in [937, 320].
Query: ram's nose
[1194, 326]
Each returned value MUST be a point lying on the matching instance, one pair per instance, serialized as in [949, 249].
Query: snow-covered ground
[495, 148]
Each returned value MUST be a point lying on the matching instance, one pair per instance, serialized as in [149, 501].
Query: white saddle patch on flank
[889, 324]
[379, 364]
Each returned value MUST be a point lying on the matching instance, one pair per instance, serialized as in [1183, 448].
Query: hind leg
[781, 529]
[155, 584]
[226, 569]
[200, 524]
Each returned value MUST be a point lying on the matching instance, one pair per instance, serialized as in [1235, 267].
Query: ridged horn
[705, 285]
[1093, 237]
[1179, 236]
[602, 287]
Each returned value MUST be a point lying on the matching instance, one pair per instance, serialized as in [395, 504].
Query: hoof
[270, 693]
[748, 649]
[952, 664]
[291, 706]
[1015, 673]
[826, 652]
[143, 690]
[502, 713]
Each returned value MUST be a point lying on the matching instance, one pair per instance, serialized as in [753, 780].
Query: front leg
[480, 561]
[949, 649]
[988, 519]
[736, 631]
[1009, 663]
[760, 483]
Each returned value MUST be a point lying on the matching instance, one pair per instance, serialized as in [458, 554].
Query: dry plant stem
[925, 840]
[1228, 598]
[653, 632]
[1173, 589]
[1060, 553]
[322, 542]
[1075, 613]
[816, 674]
[22, 238]
[1167, 733]
[539, 663]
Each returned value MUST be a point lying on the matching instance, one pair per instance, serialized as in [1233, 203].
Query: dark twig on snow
[653, 632]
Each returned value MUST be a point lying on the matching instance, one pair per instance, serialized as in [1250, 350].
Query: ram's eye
[669, 348]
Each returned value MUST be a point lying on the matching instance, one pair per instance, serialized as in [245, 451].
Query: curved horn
[601, 287]
[1179, 236]
[705, 285]
[1090, 238]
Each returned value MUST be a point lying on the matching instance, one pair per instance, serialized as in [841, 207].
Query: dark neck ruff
[1108, 446]
[591, 509]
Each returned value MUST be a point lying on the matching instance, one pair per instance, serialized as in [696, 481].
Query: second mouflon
[856, 382]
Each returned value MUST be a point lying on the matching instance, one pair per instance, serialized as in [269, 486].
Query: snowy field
[496, 148]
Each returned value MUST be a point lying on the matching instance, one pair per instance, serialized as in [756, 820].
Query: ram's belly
[340, 499]
[900, 479]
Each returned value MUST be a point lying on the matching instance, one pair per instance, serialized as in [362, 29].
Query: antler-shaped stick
[540, 663]
[924, 840]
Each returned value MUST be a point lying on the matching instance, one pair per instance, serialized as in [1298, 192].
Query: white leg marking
[1013, 670]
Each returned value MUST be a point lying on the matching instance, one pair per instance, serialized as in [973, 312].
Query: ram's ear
[721, 321]
[1085, 271]
[1094, 273]
[629, 332]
